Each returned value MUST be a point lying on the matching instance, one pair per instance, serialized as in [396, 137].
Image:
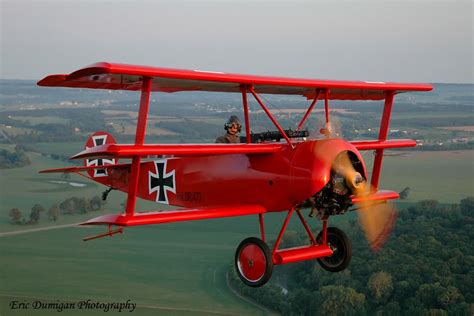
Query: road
[33, 230]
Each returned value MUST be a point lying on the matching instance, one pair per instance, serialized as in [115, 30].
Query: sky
[380, 40]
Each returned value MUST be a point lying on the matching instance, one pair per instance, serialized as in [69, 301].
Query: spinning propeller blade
[377, 220]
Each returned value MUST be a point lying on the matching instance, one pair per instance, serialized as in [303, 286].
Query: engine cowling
[311, 167]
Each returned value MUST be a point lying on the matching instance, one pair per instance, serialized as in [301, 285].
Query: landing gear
[253, 262]
[342, 250]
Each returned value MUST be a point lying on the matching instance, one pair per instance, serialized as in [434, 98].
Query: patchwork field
[35, 120]
[14, 131]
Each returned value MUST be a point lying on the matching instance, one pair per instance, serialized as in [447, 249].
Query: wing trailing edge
[84, 168]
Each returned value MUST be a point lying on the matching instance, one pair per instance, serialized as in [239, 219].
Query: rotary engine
[335, 197]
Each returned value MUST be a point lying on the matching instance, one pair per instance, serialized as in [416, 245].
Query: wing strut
[246, 114]
[308, 112]
[139, 140]
[387, 110]
[326, 112]
[270, 116]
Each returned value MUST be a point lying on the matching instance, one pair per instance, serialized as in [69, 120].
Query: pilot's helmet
[231, 121]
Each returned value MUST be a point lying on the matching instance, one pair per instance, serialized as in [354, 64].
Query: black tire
[341, 245]
[250, 250]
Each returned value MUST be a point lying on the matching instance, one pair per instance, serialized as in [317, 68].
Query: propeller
[377, 219]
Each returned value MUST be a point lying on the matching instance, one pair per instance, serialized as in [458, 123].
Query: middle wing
[128, 151]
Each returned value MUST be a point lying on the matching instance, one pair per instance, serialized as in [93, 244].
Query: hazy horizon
[407, 41]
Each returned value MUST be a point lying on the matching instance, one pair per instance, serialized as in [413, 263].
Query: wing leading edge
[128, 151]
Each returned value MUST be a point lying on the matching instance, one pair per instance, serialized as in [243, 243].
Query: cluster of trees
[75, 205]
[70, 206]
[15, 159]
[426, 268]
[17, 216]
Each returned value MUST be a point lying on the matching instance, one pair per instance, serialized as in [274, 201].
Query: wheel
[253, 262]
[341, 247]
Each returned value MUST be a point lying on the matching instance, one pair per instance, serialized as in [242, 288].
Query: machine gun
[274, 136]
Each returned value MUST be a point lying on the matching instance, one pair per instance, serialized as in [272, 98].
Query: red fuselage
[277, 181]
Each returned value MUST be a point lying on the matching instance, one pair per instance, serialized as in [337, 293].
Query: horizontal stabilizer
[150, 218]
[382, 195]
[128, 151]
[84, 168]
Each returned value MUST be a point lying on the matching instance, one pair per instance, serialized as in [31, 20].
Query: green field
[439, 175]
[173, 269]
[175, 266]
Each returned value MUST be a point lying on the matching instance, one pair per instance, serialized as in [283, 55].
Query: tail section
[97, 139]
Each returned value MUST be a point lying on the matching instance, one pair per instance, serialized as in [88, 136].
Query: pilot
[233, 127]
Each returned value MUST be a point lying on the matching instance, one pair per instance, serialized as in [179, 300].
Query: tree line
[70, 206]
[80, 123]
[426, 268]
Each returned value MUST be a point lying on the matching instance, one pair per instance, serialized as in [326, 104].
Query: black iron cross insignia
[98, 141]
[161, 182]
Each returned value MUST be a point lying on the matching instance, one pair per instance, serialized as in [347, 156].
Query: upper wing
[129, 77]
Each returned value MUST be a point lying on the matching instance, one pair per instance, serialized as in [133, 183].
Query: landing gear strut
[254, 261]
[105, 194]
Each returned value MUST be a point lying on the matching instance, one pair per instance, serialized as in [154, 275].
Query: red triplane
[327, 174]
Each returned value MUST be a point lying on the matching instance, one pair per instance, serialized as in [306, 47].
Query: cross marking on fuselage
[161, 182]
